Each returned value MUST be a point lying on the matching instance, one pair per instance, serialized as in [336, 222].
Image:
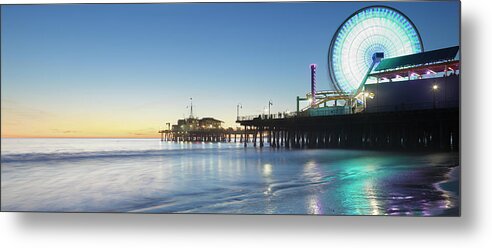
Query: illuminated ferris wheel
[371, 30]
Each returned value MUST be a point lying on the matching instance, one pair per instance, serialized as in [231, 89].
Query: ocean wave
[38, 157]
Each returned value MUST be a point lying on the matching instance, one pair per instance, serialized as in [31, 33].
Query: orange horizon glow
[79, 137]
[19, 120]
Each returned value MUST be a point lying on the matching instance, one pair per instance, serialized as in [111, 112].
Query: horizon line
[77, 137]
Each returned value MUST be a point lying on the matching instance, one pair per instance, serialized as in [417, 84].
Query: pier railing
[369, 109]
[267, 116]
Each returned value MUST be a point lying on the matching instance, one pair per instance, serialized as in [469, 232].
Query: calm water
[145, 175]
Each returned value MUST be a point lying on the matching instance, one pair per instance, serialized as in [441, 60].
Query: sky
[108, 70]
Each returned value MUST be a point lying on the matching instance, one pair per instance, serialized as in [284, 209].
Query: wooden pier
[425, 130]
[209, 135]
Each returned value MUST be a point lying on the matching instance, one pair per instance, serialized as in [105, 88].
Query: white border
[473, 229]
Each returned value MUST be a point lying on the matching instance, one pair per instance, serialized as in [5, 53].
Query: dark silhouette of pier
[209, 135]
[419, 130]
[414, 105]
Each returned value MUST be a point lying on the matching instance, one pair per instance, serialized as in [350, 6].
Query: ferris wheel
[369, 31]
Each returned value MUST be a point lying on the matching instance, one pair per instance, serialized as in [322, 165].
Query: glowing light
[314, 205]
[435, 87]
[267, 170]
[366, 32]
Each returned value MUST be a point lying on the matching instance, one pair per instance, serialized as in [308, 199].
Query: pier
[418, 130]
[411, 103]
[208, 135]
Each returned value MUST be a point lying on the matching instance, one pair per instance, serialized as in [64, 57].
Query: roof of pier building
[419, 63]
[210, 119]
[435, 56]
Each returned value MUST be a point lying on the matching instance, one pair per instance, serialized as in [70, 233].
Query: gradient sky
[125, 70]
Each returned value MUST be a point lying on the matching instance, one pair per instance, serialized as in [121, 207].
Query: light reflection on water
[149, 176]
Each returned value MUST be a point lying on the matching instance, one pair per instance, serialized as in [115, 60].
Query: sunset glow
[98, 71]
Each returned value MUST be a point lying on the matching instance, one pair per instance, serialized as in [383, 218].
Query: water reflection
[206, 178]
[315, 205]
[313, 176]
[267, 170]
[370, 192]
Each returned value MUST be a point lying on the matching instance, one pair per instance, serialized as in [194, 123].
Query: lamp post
[435, 87]
[237, 109]
[191, 108]
[366, 95]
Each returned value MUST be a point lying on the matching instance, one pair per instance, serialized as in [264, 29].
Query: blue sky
[134, 67]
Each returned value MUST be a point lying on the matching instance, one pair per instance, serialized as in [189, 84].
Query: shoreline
[451, 185]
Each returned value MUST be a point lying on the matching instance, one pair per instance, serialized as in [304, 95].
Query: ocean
[150, 176]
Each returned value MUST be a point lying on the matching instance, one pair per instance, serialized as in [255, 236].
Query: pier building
[387, 92]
